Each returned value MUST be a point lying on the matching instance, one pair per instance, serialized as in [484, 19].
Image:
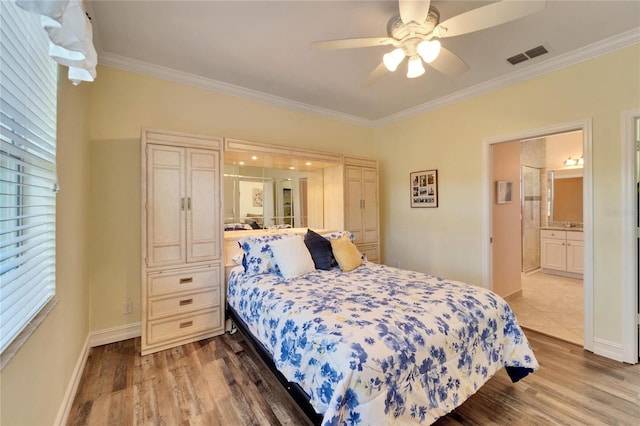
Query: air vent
[529, 54]
[520, 57]
[536, 51]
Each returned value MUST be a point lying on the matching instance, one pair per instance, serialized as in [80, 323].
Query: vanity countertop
[561, 228]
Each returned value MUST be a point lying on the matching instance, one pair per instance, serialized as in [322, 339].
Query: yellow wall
[36, 379]
[121, 104]
[447, 240]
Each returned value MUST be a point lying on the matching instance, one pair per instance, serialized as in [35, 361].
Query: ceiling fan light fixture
[429, 50]
[415, 68]
[392, 59]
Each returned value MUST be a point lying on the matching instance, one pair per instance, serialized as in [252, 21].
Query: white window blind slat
[30, 263]
[14, 116]
[35, 298]
[28, 108]
[19, 32]
[24, 139]
[17, 287]
[19, 104]
[7, 236]
[17, 67]
[36, 165]
[25, 242]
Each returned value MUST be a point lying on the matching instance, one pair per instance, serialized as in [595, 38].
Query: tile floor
[551, 305]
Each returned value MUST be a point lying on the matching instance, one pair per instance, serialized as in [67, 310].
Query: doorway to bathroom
[544, 229]
[552, 253]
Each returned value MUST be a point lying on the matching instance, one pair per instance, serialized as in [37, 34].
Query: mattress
[381, 345]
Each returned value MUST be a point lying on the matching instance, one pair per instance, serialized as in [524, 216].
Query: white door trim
[629, 248]
[585, 126]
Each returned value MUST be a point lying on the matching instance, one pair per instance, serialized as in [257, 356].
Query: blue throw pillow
[320, 249]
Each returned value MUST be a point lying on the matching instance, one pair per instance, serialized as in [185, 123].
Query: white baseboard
[608, 349]
[95, 338]
[72, 388]
[115, 334]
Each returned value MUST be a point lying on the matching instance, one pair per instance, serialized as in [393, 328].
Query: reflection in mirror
[565, 197]
[261, 197]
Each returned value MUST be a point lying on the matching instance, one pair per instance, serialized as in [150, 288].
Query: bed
[376, 344]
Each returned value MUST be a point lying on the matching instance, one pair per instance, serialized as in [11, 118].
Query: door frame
[487, 256]
[629, 240]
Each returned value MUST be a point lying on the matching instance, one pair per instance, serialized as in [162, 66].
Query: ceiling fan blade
[350, 43]
[488, 16]
[378, 72]
[449, 63]
[414, 10]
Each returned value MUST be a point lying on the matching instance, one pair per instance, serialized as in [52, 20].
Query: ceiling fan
[414, 34]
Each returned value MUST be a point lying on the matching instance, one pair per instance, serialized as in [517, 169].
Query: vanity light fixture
[570, 162]
[574, 161]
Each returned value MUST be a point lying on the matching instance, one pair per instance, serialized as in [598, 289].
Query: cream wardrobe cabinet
[351, 202]
[182, 244]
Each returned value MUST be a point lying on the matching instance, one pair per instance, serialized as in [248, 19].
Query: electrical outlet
[127, 307]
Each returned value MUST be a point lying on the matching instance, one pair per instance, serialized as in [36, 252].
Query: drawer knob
[186, 302]
[186, 324]
[186, 280]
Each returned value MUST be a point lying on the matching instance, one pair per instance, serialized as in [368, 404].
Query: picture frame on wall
[503, 192]
[424, 188]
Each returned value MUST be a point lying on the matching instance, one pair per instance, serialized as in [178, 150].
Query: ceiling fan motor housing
[399, 30]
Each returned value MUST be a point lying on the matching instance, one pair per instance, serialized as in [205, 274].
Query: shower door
[531, 217]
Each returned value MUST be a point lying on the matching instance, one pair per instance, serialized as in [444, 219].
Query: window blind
[28, 102]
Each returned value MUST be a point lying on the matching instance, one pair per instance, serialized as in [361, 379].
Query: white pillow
[292, 257]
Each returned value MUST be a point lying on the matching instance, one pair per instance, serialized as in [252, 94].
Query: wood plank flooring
[221, 381]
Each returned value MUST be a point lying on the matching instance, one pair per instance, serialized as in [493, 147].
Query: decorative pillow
[320, 249]
[292, 257]
[346, 253]
[258, 257]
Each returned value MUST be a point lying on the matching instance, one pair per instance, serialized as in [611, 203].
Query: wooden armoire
[182, 239]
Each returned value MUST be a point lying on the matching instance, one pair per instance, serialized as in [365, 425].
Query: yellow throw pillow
[346, 253]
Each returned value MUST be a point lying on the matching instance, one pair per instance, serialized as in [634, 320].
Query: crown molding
[170, 74]
[591, 51]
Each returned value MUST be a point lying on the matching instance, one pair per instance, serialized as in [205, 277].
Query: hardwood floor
[221, 381]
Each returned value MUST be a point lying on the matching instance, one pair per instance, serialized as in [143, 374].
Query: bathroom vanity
[562, 251]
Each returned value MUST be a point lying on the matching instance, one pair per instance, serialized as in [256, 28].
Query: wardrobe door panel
[165, 205]
[203, 229]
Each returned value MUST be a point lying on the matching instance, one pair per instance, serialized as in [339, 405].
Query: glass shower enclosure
[531, 212]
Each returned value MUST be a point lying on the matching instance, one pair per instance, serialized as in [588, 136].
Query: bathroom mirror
[565, 196]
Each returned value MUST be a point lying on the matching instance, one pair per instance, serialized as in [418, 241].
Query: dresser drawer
[184, 280]
[548, 233]
[182, 304]
[162, 331]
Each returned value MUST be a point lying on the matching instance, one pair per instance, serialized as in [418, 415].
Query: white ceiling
[261, 49]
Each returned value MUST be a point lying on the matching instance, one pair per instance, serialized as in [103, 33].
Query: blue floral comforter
[380, 345]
